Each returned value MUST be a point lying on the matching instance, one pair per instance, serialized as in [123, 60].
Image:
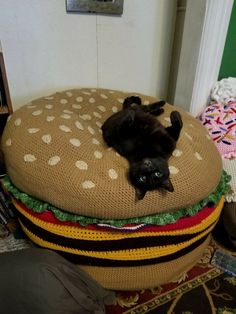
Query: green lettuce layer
[157, 219]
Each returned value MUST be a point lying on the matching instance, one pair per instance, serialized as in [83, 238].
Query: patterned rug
[204, 289]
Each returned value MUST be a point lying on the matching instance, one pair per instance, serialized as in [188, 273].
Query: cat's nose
[147, 162]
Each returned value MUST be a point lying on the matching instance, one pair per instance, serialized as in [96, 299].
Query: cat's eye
[142, 179]
[158, 174]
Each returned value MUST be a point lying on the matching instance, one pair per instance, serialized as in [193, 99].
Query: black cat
[135, 133]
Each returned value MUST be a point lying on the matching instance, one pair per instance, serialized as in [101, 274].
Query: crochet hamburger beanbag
[125, 254]
[54, 151]
[73, 196]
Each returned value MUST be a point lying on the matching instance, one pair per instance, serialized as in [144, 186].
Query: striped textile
[97, 246]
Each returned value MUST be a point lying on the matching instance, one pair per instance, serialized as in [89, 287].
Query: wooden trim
[8, 108]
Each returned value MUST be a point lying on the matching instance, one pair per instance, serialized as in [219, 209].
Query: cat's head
[150, 174]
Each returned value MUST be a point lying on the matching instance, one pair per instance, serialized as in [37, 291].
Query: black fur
[136, 133]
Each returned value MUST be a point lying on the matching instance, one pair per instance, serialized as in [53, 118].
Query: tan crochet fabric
[54, 151]
[145, 277]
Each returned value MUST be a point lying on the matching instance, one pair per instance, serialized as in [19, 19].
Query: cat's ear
[167, 185]
[139, 194]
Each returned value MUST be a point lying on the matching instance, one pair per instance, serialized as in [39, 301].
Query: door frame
[204, 34]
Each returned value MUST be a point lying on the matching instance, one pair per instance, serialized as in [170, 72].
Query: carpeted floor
[203, 290]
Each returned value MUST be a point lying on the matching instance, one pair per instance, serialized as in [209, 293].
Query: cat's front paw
[155, 108]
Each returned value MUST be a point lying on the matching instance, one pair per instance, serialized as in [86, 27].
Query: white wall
[46, 49]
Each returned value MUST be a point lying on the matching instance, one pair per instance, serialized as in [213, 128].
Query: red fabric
[182, 223]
